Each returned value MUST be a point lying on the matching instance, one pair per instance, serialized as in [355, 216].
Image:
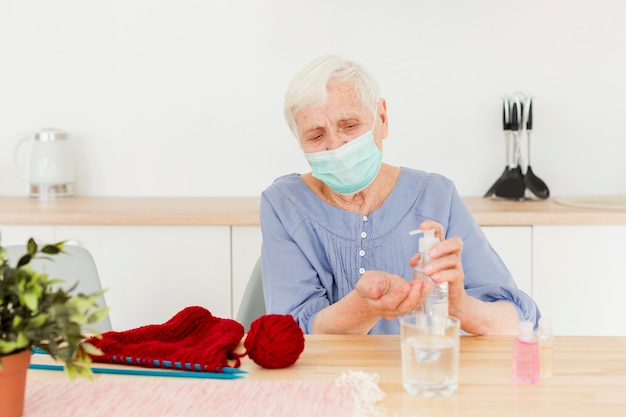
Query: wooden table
[589, 376]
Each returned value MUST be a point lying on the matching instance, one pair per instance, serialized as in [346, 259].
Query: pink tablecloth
[153, 397]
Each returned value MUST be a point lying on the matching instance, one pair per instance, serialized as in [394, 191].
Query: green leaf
[85, 372]
[53, 249]
[82, 302]
[97, 315]
[7, 346]
[91, 349]
[22, 340]
[71, 370]
[30, 300]
[24, 260]
[31, 247]
[10, 346]
[78, 317]
[36, 322]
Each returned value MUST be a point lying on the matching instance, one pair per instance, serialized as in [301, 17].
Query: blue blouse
[313, 253]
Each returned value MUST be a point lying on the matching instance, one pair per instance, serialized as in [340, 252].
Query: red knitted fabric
[193, 336]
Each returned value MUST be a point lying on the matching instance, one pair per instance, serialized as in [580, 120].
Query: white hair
[308, 87]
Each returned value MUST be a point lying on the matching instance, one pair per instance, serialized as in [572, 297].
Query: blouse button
[362, 252]
[363, 235]
[364, 218]
[362, 270]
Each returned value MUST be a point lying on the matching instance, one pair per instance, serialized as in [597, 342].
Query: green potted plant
[36, 312]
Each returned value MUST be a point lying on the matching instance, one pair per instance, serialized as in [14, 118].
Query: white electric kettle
[49, 166]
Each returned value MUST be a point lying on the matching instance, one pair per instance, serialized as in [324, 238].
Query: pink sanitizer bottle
[526, 355]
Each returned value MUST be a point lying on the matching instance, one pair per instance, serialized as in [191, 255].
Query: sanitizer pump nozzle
[426, 242]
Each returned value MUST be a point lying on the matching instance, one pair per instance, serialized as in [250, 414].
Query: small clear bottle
[526, 355]
[436, 302]
[546, 351]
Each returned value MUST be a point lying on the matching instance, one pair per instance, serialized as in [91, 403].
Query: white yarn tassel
[366, 392]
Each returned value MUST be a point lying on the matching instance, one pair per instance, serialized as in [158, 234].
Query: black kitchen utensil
[533, 182]
[512, 184]
[506, 126]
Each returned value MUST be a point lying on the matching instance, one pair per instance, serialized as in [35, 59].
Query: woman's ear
[382, 114]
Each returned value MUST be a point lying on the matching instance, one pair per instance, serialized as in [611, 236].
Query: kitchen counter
[243, 211]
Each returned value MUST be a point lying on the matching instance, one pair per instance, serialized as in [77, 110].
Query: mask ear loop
[375, 118]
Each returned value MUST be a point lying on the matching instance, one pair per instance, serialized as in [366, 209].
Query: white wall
[184, 97]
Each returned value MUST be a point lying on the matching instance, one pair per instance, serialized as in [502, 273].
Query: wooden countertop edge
[164, 211]
[499, 212]
[243, 211]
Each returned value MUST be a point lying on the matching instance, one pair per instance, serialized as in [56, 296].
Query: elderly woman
[337, 253]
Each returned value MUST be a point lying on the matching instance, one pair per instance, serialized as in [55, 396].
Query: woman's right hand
[389, 295]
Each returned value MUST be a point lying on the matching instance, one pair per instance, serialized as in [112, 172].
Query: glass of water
[430, 354]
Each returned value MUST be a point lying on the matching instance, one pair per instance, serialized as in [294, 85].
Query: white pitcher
[49, 165]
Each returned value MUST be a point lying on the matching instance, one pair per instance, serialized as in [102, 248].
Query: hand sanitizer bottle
[436, 303]
[545, 347]
[526, 355]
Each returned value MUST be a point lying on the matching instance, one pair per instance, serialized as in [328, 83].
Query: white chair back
[253, 302]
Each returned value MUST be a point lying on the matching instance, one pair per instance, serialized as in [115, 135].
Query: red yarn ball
[274, 341]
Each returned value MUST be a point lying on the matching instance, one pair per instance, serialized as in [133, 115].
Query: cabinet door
[579, 278]
[246, 242]
[19, 234]
[153, 272]
[514, 245]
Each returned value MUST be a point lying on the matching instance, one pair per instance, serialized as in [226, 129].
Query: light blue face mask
[349, 168]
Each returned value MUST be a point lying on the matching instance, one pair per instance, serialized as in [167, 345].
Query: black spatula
[533, 182]
[506, 126]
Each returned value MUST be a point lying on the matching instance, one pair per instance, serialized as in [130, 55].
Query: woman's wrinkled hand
[389, 295]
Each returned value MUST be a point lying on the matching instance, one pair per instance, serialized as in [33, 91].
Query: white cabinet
[579, 278]
[514, 245]
[19, 234]
[153, 272]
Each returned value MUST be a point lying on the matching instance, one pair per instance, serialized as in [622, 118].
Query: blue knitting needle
[140, 372]
[196, 367]
[177, 365]
[166, 364]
